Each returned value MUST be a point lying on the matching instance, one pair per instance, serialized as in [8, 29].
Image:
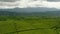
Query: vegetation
[29, 25]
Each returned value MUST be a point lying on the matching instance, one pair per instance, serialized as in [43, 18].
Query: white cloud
[30, 3]
[53, 0]
[8, 0]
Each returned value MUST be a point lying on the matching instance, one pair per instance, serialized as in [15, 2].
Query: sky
[29, 3]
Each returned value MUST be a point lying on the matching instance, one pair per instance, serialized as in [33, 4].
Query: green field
[29, 25]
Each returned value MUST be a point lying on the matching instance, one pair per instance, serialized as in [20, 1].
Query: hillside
[47, 13]
[29, 9]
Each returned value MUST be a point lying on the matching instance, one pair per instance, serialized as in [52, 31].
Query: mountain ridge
[47, 13]
[29, 9]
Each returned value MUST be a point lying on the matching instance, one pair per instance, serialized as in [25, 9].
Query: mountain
[47, 13]
[43, 11]
[29, 9]
[7, 13]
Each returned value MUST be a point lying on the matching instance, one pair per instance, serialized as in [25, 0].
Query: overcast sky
[29, 3]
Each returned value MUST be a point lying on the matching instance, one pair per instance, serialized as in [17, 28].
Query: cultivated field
[29, 25]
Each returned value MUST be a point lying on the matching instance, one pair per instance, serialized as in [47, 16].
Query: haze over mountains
[43, 11]
[30, 9]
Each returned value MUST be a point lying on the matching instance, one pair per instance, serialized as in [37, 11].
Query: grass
[29, 25]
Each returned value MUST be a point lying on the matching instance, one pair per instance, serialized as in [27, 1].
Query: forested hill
[41, 9]
[7, 13]
[47, 13]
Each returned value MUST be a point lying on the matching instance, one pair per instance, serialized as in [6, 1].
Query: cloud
[8, 0]
[29, 3]
[53, 0]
